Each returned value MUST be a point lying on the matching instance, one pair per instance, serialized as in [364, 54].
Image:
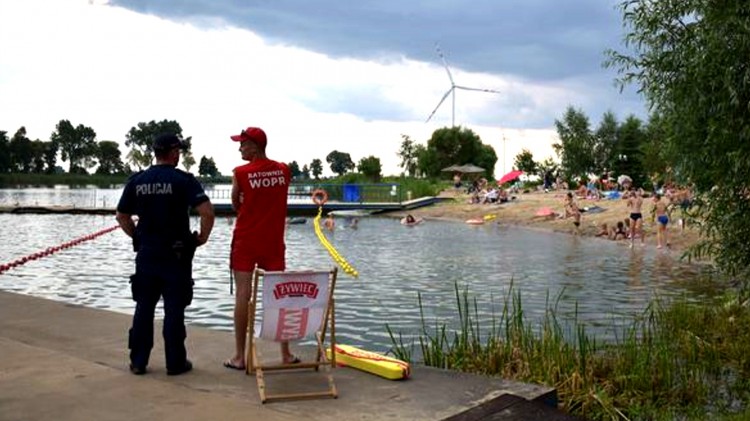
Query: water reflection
[601, 282]
[88, 197]
[607, 281]
[91, 197]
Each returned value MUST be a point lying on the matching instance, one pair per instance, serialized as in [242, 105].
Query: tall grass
[675, 361]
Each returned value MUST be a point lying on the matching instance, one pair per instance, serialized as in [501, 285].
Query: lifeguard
[259, 195]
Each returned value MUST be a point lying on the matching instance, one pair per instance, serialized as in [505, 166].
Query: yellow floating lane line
[338, 258]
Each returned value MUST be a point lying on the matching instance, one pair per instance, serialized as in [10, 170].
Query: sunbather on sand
[581, 191]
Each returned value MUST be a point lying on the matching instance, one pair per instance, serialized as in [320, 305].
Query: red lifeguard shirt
[261, 218]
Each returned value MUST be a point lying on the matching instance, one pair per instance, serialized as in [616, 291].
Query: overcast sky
[318, 75]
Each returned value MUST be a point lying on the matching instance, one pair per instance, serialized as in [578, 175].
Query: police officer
[161, 198]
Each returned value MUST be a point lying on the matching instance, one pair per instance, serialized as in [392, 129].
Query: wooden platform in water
[56, 209]
[293, 209]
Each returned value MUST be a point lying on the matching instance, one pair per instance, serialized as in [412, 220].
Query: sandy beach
[522, 212]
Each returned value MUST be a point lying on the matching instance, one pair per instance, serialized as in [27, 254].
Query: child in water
[620, 233]
[329, 223]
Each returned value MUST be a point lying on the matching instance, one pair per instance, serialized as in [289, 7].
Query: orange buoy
[319, 197]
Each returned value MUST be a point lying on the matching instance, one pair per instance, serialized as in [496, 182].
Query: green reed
[682, 360]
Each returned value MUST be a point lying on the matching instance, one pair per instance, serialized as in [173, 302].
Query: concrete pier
[66, 362]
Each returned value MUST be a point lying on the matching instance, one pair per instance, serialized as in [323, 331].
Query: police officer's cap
[167, 141]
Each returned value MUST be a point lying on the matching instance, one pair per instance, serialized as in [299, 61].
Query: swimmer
[329, 223]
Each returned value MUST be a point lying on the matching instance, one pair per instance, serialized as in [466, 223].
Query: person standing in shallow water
[161, 197]
[660, 214]
[259, 196]
[635, 202]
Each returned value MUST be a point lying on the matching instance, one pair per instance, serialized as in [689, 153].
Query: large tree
[5, 162]
[576, 144]
[340, 162]
[455, 146]
[656, 158]
[187, 159]
[629, 151]
[525, 162]
[109, 156]
[50, 156]
[370, 167]
[690, 59]
[294, 170]
[21, 152]
[605, 143]
[77, 144]
[316, 168]
[207, 167]
[409, 155]
[140, 137]
[38, 149]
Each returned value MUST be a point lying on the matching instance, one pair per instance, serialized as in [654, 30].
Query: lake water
[606, 280]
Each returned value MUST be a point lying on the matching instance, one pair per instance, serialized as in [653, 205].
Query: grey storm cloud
[536, 39]
[546, 41]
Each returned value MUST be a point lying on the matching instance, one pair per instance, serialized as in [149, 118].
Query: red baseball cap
[255, 134]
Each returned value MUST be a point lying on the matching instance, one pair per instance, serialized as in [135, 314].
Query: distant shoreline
[521, 212]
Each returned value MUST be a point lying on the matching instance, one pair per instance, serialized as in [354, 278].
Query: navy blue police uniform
[161, 197]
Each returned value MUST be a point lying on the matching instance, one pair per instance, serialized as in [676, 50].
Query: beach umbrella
[452, 168]
[464, 169]
[624, 179]
[509, 177]
[469, 169]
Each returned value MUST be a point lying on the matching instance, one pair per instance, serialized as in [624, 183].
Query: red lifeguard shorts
[244, 259]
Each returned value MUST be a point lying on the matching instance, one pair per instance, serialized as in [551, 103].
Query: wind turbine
[452, 90]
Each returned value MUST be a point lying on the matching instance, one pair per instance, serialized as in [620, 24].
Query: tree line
[626, 148]
[630, 147]
[77, 145]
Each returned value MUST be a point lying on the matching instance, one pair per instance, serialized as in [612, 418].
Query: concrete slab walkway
[66, 362]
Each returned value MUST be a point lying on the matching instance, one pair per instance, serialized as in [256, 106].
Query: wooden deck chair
[295, 306]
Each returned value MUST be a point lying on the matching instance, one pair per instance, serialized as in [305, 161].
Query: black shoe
[187, 366]
[137, 370]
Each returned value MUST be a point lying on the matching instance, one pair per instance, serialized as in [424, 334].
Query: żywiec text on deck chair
[295, 306]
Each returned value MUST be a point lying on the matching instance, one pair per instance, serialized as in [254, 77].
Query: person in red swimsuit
[259, 196]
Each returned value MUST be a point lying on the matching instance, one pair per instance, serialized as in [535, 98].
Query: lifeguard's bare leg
[241, 299]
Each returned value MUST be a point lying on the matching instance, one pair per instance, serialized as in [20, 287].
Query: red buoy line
[51, 250]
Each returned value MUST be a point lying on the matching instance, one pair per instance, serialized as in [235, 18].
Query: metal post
[504, 157]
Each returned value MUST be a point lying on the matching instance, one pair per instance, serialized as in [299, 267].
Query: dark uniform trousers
[160, 274]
